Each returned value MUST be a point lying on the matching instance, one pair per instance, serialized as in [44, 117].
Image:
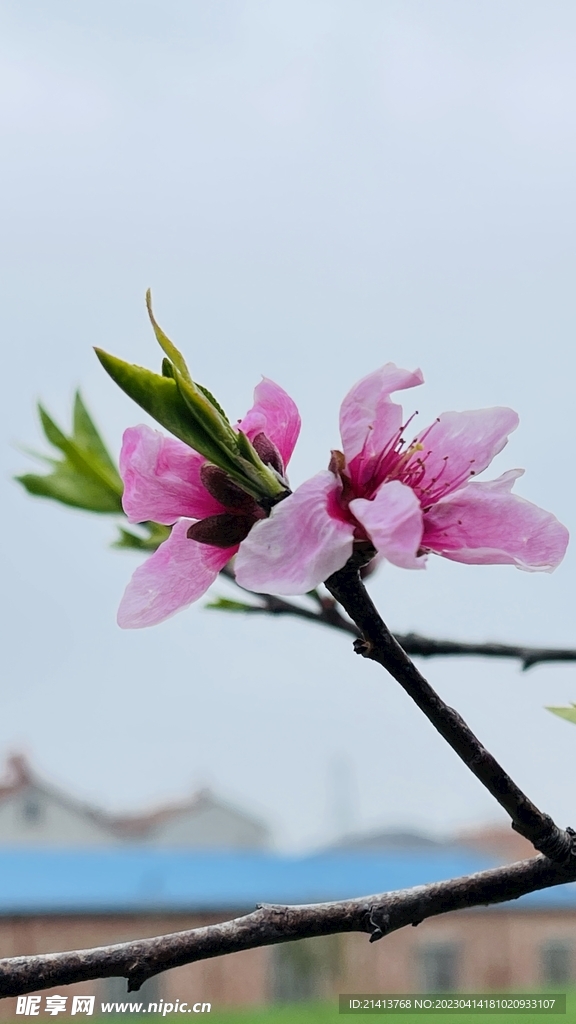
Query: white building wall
[34, 817]
[213, 826]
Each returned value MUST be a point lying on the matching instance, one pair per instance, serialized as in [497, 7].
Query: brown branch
[378, 644]
[376, 915]
[329, 614]
[425, 647]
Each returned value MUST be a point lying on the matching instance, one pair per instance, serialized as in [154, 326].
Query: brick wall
[480, 950]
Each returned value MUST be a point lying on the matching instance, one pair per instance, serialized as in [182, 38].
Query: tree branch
[378, 644]
[329, 614]
[425, 647]
[376, 915]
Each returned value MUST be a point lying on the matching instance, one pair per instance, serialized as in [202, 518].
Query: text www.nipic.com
[160, 1008]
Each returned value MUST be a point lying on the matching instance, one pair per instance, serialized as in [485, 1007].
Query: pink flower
[406, 498]
[167, 482]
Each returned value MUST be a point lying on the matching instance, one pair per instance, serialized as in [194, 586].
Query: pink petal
[162, 479]
[369, 420]
[393, 521]
[275, 414]
[179, 572]
[300, 545]
[484, 524]
[459, 445]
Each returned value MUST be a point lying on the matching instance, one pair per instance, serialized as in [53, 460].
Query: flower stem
[378, 644]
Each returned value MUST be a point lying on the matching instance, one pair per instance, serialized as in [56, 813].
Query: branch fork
[376, 915]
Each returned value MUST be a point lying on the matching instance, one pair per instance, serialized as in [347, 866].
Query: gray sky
[311, 189]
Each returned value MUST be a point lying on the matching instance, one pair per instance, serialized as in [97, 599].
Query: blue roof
[120, 880]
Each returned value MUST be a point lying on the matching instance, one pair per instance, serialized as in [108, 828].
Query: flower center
[399, 460]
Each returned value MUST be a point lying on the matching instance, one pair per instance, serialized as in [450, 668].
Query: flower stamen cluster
[407, 500]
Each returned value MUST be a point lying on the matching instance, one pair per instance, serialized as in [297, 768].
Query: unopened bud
[225, 530]
[229, 494]
[268, 452]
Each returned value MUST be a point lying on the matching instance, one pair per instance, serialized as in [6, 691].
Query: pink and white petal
[162, 479]
[300, 545]
[459, 445]
[393, 521]
[276, 415]
[484, 524]
[369, 420]
[177, 574]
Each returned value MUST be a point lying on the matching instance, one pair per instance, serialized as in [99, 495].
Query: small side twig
[378, 644]
[328, 614]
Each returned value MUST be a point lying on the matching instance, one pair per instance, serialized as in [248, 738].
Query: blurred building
[72, 876]
[55, 900]
[35, 813]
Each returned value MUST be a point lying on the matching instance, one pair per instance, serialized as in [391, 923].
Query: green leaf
[82, 458]
[86, 476]
[157, 534]
[202, 405]
[166, 345]
[225, 604]
[161, 398]
[67, 486]
[569, 713]
[86, 436]
[189, 415]
[207, 394]
[206, 412]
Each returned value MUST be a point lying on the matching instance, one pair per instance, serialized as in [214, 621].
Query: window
[304, 971]
[556, 962]
[438, 967]
[31, 811]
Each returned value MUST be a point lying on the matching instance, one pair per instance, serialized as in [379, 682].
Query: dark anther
[337, 463]
[268, 452]
[222, 531]
[229, 494]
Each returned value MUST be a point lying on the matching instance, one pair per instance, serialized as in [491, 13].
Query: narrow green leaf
[207, 394]
[37, 455]
[85, 477]
[569, 713]
[207, 416]
[157, 534]
[51, 429]
[224, 604]
[166, 345]
[161, 398]
[186, 411]
[85, 462]
[255, 469]
[69, 487]
[167, 368]
[249, 453]
[87, 437]
[127, 539]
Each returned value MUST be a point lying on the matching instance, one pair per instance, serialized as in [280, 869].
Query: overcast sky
[311, 189]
